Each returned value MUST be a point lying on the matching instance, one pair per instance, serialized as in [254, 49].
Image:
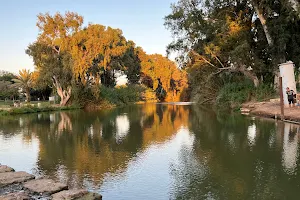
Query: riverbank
[271, 109]
[33, 109]
[22, 185]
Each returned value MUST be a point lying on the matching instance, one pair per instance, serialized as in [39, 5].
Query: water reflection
[251, 134]
[157, 152]
[290, 148]
[65, 123]
[122, 124]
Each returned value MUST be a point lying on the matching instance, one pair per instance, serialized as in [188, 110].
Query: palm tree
[24, 81]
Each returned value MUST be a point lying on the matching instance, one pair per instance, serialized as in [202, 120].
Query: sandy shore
[271, 109]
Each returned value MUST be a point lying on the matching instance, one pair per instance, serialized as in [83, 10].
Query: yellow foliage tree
[25, 82]
[56, 32]
[96, 45]
[164, 75]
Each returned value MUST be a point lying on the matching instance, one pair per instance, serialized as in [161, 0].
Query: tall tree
[54, 70]
[161, 74]
[99, 47]
[222, 37]
[131, 63]
[56, 33]
[216, 32]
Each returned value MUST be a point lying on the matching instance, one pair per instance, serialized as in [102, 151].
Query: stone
[275, 100]
[8, 178]
[245, 110]
[91, 196]
[69, 194]
[15, 196]
[47, 186]
[251, 106]
[4, 168]
[245, 114]
[76, 194]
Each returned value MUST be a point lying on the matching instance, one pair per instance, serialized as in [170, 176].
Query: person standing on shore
[290, 94]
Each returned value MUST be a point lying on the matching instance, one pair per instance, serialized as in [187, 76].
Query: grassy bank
[84, 98]
[31, 109]
[231, 94]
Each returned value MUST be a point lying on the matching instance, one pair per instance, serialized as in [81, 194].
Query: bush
[122, 95]
[82, 95]
[232, 95]
[264, 92]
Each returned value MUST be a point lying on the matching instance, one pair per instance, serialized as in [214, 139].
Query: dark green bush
[82, 95]
[264, 92]
[232, 95]
[122, 95]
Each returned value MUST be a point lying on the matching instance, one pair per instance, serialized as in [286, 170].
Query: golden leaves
[55, 30]
[93, 42]
[235, 25]
[97, 48]
[158, 67]
[24, 79]
[25, 75]
[212, 49]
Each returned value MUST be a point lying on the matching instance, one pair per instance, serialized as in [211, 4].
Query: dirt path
[271, 109]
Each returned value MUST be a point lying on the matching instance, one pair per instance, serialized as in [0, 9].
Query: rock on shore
[23, 186]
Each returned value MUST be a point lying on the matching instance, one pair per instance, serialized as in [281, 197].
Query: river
[157, 151]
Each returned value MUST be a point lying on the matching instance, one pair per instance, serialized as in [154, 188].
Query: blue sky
[141, 21]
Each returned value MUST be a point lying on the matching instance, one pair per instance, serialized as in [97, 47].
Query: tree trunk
[250, 75]
[28, 97]
[65, 123]
[263, 22]
[269, 39]
[295, 5]
[64, 94]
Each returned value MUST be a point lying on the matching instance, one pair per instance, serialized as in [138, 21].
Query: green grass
[33, 109]
[7, 104]
[233, 95]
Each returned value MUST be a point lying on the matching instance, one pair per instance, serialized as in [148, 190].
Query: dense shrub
[122, 95]
[232, 95]
[264, 92]
[82, 95]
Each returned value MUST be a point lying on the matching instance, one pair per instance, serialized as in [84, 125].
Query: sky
[140, 20]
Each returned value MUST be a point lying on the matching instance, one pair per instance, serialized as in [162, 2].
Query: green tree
[218, 39]
[53, 69]
[6, 89]
[51, 50]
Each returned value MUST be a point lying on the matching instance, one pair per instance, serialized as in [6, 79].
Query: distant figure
[291, 95]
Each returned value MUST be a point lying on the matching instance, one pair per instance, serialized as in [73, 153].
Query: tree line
[226, 41]
[71, 58]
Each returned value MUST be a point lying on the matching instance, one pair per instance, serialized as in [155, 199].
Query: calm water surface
[157, 152]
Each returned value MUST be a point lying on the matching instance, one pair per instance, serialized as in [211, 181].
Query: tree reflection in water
[165, 151]
[78, 147]
[265, 166]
